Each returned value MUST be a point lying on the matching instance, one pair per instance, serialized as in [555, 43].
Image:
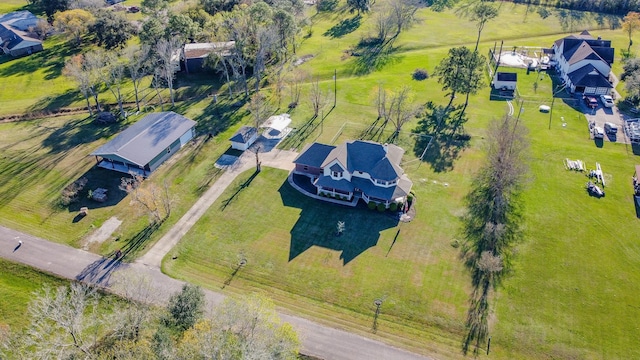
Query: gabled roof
[507, 76]
[589, 76]
[379, 161]
[13, 27]
[20, 20]
[584, 46]
[313, 155]
[244, 134]
[202, 50]
[147, 138]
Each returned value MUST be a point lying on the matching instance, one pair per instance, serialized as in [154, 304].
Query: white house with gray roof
[145, 145]
[364, 169]
[584, 63]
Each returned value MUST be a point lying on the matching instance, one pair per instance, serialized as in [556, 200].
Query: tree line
[79, 322]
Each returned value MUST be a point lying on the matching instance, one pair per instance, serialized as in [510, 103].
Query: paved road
[71, 263]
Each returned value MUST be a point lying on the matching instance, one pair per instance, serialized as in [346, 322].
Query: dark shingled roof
[147, 138]
[379, 161]
[401, 189]
[244, 134]
[313, 155]
[589, 76]
[342, 184]
[507, 76]
[13, 27]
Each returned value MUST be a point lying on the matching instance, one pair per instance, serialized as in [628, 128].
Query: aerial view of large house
[361, 169]
[14, 34]
[145, 145]
[584, 63]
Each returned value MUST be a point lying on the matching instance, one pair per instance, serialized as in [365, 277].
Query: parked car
[591, 101]
[607, 100]
[610, 128]
[598, 133]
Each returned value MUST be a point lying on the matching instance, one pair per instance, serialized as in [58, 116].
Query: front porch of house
[122, 167]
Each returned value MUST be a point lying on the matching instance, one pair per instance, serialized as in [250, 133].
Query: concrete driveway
[600, 115]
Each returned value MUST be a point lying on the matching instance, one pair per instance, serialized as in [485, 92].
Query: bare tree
[138, 293]
[157, 79]
[114, 76]
[75, 69]
[94, 63]
[400, 111]
[246, 328]
[167, 60]
[136, 57]
[294, 81]
[64, 323]
[155, 200]
[319, 99]
[265, 42]
[492, 224]
[259, 108]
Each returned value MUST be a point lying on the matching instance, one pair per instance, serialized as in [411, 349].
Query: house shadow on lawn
[99, 178]
[316, 225]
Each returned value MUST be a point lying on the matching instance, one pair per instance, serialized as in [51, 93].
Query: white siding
[186, 137]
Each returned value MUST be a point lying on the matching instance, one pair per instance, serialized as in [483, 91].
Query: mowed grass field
[17, 284]
[571, 294]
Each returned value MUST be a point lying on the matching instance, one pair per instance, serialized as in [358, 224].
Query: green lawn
[572, 291]
[17, 284]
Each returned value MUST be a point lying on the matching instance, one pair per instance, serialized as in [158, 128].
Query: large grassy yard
[572, 291]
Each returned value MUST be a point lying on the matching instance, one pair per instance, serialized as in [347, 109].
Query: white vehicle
[607, 100]
[598, 132]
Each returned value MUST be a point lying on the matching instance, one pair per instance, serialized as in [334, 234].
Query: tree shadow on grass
[51, 60]
[344, 27]
[316, 226]
[218, 117]
[371, 55]
[299, 136]
[77, 132]
[449, 139]
[238, 190]
[99, 272]
[54, 102]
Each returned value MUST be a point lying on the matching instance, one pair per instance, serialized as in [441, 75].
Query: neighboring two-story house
[364, 169]
[584, 63]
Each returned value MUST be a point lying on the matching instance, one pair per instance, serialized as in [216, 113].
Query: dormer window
[336, 174]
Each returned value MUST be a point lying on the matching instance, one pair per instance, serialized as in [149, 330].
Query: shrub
[409, 198]
[71, 192]
[371, 205]
[381, 207]
[393, 207]
[420, 74]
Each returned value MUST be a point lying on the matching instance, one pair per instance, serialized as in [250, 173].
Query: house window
[336, 174]
[306, 168]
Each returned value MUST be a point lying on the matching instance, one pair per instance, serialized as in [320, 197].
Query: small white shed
[505, 81]
[243, 138]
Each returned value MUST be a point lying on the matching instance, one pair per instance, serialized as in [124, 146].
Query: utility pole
[335, 87]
